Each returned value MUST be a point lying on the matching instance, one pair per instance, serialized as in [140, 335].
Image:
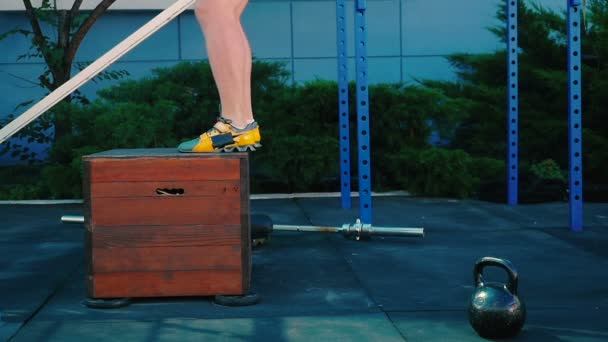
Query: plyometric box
[160, 223]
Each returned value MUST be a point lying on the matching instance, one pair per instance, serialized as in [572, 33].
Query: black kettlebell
[495, 310]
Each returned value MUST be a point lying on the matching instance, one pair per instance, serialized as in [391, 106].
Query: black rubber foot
[246, 300]
[261, 226]
[109, 303]
[258, 242]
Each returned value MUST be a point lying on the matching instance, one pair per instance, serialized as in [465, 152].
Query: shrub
[488, 170]
[434, 172]
[547, 170]
[442, 172]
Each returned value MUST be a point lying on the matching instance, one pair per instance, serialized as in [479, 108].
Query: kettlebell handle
[502, 263]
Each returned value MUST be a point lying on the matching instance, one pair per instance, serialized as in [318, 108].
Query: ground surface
[323, 287]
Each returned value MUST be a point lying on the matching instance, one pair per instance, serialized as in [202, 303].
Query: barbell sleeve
[296, 228]
[72, 219]
[397, 231]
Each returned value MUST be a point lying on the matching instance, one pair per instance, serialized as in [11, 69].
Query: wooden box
[161, 223]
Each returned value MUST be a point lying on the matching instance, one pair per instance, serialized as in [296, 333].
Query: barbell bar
[358, 230]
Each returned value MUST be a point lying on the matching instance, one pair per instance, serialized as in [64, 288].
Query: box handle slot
[170, 192]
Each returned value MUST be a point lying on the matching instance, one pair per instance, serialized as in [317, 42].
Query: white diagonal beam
[95, 68]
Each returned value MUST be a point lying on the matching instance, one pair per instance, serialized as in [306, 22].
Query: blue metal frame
[343, 104]
[365, 193]
[575, 113]
[513, 102]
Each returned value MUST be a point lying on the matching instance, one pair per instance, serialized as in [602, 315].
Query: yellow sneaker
[223, 137]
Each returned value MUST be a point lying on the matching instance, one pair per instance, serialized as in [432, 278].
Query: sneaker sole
[245, 148]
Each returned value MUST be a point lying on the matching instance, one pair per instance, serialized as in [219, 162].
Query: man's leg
[231, 61]
[229, 55]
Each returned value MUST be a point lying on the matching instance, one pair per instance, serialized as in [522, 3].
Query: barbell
[261, 224]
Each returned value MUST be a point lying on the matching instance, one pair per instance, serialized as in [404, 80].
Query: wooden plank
[165, 153]
[163, 169]
[149, 189]
[165, 211]
[166, 259]
[168, 283]
[95, 68]
[165, 236]
[246, 224]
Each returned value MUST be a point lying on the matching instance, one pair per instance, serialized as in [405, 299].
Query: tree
[543, 90]
[71, 27]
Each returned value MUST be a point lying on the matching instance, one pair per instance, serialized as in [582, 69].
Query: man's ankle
[241, 125]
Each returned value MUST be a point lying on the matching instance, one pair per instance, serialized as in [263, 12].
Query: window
[17, 5]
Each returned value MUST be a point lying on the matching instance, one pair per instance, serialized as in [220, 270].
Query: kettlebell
[495, 310]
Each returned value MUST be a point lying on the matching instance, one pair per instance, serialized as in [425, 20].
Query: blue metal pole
[575, 113]
[343, 105]
[513, 102]
[365, 193]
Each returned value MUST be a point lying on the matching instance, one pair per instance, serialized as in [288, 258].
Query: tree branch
[63, 29]
[86, 26]
[75, 8]
[38, 35]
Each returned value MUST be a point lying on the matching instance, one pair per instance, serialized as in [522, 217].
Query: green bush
[21, 182]
[488, 170]
[442, 172]
[62, 181]
[434, 172]
[547, 170]
[395, 170]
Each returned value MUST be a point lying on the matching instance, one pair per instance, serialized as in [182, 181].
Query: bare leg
[229, 55]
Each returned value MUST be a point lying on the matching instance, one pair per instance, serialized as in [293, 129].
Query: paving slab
[325, 287]
[541, 325]
[436, 273]
[368, 327]
[37, 255]
[546, 215]
[295, 274]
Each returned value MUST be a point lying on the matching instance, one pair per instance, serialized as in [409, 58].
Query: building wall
[408, 40]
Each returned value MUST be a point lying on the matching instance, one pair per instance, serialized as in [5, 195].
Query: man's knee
[215, 8]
